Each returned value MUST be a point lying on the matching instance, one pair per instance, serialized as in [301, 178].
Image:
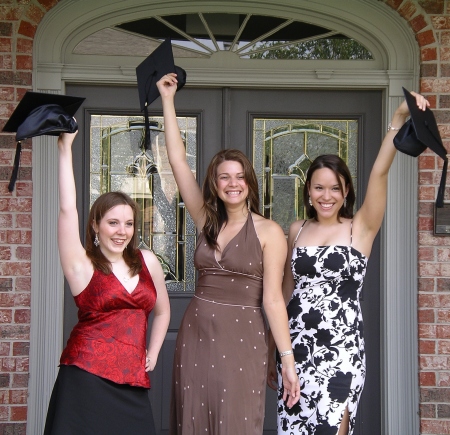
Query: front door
[281, 131]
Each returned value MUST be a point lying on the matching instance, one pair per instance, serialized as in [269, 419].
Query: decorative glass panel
[283, 150]
[199, 35]
[120, 162]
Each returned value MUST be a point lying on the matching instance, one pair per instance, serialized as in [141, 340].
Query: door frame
[397, 64]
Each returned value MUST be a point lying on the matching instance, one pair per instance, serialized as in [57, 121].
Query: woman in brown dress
[220, 363]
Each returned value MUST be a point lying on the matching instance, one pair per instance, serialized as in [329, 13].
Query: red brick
[5, 379]
[440, 427]
[426, 38]
[23, 253]
[19, 237]
[427, 54]
[440, 22]
[5, 316]
[6, 61]
[6, 29]
[427, 193]
[6, 93]
[443, 331]
[8, 364]
[407, 10]
[425, 331]
[4, 413]
[22, 316]
[27, 29]
[24, 46]
[18, 413]
[394, 4]
[432, 6]
[21, 348]
[427, 379]
[443, 316]
[16, 332]
[429, 269]
[443, 347]
[34, 13]
[18, 397]
[427, 162]
[443, 379]
[48, 4]
[20, 380]
[5, 253]
[5, 45]
[427, 347]
[443, 284]
[23, 284]
[4, 348]
[22, 78]
[443, 254]
[418, 23]
[426, 284]
[427, 316]
[24, 62]
[425, 224]
[15, 204]
[23, 364]
[23, 221]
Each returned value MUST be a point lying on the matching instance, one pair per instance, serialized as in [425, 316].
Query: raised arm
[161, 310]
[187, 184]
[76, 266]
[369, 217]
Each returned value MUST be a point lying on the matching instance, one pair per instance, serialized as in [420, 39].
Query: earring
[248, 204]
[345, 201]
[309, 200]
[96, 241]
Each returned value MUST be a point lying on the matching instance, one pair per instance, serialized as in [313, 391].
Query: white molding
[47, 283]
[396, 64]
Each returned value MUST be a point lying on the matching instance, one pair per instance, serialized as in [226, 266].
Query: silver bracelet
[392, 128]
[286, 352]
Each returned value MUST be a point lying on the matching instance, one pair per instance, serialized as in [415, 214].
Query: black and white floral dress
[326, 328]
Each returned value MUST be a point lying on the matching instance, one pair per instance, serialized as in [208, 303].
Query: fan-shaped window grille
[202, 34]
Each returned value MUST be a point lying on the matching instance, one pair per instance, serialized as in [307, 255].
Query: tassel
[441, 191]
[15, 171]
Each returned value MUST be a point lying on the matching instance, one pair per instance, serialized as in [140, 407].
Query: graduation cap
[418, 133]
[159, 63]
[40, 114]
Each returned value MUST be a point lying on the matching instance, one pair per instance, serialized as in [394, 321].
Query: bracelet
[392, 128]
[286, 352]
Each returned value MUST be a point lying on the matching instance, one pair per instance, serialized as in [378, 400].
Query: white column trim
[47, 283]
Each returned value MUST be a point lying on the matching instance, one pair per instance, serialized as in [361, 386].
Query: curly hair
[340, 169]
[101, 206]
[215, 211]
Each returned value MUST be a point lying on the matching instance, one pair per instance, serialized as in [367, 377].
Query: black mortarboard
[156, 65]
[40, 114]
[418, 133]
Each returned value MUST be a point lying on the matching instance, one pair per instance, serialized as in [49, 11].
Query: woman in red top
[102, 384]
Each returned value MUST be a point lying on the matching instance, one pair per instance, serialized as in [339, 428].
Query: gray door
[233, 118]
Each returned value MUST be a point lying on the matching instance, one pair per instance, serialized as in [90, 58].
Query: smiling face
[115, 230]
[325, 193]
[231, 185]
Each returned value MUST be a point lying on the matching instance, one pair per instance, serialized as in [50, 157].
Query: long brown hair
[101, 206]
[340, 169]
[215, 211]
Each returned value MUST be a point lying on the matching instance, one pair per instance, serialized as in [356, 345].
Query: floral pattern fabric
[326, 327]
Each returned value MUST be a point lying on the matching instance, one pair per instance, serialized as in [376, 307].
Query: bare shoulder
[269, 232]
[151, 260]
[264, 225]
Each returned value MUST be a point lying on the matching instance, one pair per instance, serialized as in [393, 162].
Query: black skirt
[85, 404]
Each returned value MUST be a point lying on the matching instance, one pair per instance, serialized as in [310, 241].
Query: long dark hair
[215, 211]
[100, 207]
[340, 169]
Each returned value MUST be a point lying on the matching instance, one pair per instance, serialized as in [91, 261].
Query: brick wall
[428, 19]
[18, 23]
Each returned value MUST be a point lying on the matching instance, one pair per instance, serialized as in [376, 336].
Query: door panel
[225, 118]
